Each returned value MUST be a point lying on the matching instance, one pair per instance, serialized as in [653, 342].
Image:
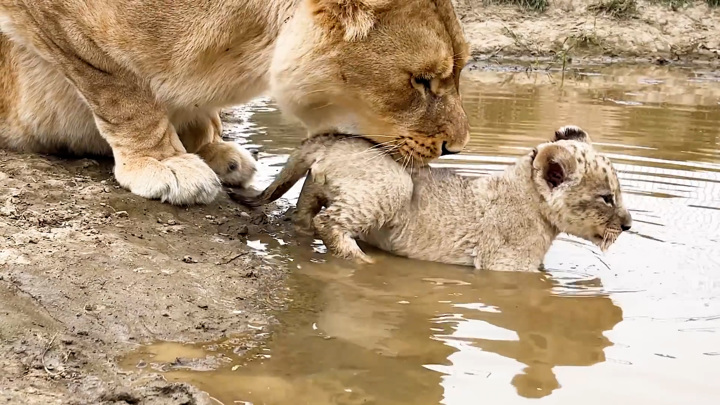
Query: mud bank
[641, 31]
[88, 271]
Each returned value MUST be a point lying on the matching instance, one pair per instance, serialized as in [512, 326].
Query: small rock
[243, 230]
[88, 163]
[188, 259]
[166, 218]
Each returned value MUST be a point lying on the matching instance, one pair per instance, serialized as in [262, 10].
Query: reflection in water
[358, 336]
[409, 332]
[551, 330]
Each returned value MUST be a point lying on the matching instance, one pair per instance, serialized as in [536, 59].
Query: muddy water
[639, 324]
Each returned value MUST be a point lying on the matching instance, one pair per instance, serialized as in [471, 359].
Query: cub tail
[297, 166]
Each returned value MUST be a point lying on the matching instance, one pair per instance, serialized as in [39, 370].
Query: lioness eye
[420, 83]
[608, 198]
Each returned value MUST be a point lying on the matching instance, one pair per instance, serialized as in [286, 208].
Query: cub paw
[364, 259]
[180, 180]
[233, 164]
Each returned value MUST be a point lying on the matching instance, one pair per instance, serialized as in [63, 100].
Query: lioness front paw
[180, 180]
[231, 162]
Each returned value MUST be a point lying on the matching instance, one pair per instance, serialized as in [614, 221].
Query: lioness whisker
[381, 153]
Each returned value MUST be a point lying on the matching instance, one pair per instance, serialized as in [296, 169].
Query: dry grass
[532, 5]
[619, 9]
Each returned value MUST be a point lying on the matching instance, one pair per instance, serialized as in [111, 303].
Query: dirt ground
[88, 271]
[654, 33]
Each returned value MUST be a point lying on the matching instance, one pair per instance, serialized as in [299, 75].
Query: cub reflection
[406, 332]
[554, 327]
[454, 321]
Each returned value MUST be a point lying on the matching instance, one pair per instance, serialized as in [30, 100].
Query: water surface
[639, 324]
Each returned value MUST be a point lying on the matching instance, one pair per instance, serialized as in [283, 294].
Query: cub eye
[608, 198]
[420, 83]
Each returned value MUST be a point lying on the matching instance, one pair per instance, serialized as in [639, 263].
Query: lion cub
[502, 222]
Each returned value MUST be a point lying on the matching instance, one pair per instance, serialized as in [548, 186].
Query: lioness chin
[144, 80]
[502, 222]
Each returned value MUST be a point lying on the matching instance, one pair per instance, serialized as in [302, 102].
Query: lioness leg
[202, 134]
[40, 111]
[150, 160]
[337, 230]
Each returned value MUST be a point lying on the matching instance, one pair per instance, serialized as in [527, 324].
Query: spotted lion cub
[503, 222]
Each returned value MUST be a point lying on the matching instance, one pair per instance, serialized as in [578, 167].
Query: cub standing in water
[503, 222]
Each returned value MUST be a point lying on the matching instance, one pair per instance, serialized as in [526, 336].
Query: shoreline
[652, 33]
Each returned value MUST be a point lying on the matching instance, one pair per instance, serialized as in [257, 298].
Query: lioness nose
[446, 151]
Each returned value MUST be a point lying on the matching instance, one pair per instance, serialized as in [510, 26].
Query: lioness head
[581, 188]
[388, 69]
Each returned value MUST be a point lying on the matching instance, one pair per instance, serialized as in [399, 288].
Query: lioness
[145, 79]
[503, 222]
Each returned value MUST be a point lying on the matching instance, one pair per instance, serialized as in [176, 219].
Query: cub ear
[573, 133]
[356, 17]
[555, 165]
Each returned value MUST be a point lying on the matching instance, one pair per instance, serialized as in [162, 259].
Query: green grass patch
[533, 5]
[620, 9]
[713, 3]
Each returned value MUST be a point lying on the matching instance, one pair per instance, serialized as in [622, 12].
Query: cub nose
[626, 220]
[445, 151]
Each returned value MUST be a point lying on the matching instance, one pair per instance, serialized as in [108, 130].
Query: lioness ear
[555, 164]
[573, 133]
[356, 17]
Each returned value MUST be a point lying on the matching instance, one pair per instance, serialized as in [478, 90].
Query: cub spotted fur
[503, 222]
[144, 80]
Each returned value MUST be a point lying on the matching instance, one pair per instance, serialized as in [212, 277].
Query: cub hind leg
[311, 201]
[338, 226]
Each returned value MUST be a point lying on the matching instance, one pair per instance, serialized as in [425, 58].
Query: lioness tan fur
[145, 80]
[503, 222]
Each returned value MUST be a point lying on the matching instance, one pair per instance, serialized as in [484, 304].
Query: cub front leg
[233, 164]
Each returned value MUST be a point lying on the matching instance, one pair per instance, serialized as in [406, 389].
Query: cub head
[580, 187]
[376, 67]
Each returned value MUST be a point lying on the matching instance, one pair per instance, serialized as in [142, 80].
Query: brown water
[639, 324]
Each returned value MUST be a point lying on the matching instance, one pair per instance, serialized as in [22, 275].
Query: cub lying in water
[503, 222]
